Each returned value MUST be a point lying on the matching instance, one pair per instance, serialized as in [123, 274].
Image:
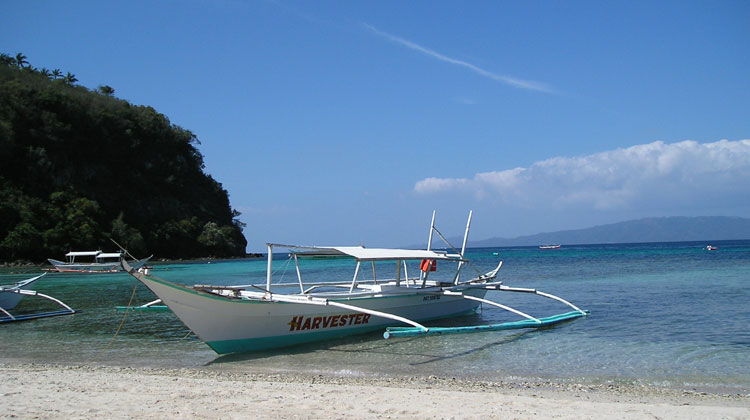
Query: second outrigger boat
[256, 317]
[93, 262]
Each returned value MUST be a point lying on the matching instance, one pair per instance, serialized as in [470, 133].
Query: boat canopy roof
[83, 253]
[109, 255]
[374, 254]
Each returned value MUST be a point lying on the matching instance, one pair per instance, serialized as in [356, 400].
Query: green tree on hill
[79, 166]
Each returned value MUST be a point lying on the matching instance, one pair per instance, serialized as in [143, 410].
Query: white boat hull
[9, 299]
[100, 268]
[230, 325]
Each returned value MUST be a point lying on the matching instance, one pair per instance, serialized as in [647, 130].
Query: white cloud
[512, 81]
[654, 175]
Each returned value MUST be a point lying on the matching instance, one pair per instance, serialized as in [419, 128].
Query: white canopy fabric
[109, 255]
[374, 254]
[83, 253]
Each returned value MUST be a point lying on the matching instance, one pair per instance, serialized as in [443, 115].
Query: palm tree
[70, 78]
[106, 90]
[56, 73]
[7, 60]
[21, 60]
[45, 72]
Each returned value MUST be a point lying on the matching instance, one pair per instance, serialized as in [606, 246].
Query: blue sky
[339, 122]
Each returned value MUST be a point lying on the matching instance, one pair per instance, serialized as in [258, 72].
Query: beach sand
[35, 391]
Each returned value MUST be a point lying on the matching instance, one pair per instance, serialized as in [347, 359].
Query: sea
[672, 315]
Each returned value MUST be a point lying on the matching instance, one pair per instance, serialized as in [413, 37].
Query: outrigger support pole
[12, 318]
[379, 314]
[489, 302]
[537, 292]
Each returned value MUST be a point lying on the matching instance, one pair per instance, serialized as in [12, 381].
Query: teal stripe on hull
[394, 332]
[265, 343]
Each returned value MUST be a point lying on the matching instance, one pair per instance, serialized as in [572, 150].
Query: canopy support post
[422, 274]
[299, 275]
[398, 273]
[354, 279]
[269, 268]
[406, 273]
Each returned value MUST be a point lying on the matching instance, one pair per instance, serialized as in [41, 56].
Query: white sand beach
[34, 391]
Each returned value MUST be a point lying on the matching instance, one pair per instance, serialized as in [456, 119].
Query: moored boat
[549, 246]
[93, 262]
[11, 295]
[262, 316]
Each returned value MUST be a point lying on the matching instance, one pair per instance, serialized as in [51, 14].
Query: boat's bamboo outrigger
[254, 317]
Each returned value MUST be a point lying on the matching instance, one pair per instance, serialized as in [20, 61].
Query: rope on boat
[122, 322]
[457, 251]
[283, 273]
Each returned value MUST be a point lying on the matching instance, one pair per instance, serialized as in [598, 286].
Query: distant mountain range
[653, 229]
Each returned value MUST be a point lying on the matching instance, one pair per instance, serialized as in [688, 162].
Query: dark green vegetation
[79, 166]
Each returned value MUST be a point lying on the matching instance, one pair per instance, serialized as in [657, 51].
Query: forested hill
[80, 166]
[653, 229]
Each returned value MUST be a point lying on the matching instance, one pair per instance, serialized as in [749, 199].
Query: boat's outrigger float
[261, 316]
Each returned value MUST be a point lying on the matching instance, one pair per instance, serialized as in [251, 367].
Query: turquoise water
[666, 314]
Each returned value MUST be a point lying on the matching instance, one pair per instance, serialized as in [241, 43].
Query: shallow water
[667, 314]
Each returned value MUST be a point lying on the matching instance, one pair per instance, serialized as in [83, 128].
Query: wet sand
[43, 391]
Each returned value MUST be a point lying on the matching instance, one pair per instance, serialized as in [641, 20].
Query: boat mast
[432, 227]
[463, 248]
[268, 270]
[422, 274]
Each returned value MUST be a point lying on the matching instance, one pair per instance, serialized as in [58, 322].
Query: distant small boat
[711, 248]
[549, 246]
[96, 262]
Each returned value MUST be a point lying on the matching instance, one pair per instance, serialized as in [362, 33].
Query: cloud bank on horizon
[655, 177]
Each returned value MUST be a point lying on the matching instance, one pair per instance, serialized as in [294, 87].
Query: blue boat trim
[27, 317]
[393, 332]
[265, 343]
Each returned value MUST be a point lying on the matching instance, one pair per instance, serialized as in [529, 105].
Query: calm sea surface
[666, 314]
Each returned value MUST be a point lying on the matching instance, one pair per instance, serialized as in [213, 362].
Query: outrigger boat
[11, 295]
[262, 316]
[97, 262]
